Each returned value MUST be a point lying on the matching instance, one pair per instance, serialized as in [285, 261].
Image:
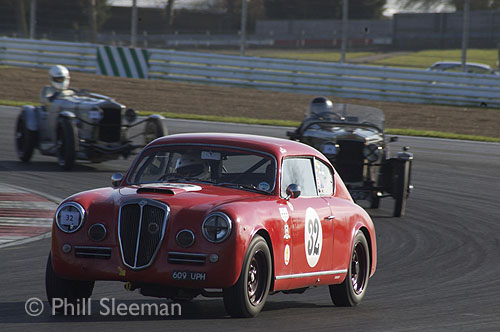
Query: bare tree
[22, 23]
[93, 20]
[429, 5]
[169, 8]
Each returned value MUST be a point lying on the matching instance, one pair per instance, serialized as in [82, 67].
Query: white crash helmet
[191, 165]
[319, 106]
[59, 77]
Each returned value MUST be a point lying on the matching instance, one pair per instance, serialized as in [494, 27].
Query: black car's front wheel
[352, 290]
[401, 188]
[62, 291]
[248, 296]
[25, 139]
[374, 200]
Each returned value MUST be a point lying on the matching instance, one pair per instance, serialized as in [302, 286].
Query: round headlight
[372, 152]
[69, 217]
[130, 115]
[216, 227]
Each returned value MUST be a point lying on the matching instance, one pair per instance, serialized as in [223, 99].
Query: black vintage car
[352, 137]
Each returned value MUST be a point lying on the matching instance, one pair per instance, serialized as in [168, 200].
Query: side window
[324, 178]
[298, 171]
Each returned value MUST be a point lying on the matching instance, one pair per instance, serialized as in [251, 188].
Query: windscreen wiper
[243, 186]
[187, 179]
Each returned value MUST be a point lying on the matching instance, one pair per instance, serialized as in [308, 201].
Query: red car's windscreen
[217, 165]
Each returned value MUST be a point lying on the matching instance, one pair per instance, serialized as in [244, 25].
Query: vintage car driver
[320, 108]
[59, 79]
[192, 165]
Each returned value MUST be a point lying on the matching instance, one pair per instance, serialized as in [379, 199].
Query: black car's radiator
[141, 230]
[110, 125]
[350, 160]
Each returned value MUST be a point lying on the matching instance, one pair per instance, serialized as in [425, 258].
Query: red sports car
[249, 215]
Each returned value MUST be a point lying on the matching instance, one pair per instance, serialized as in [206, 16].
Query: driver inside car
[59, 80]
[192, 166]
[320, 108]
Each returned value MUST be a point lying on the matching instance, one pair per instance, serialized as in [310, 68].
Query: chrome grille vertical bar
[141, 204]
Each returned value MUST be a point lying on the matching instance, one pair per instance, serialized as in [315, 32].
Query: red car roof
[276, 146]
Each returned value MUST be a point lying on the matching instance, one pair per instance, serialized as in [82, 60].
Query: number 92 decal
[313, 236]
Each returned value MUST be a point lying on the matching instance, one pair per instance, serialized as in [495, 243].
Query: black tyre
[25, 139]
[73, 291]
[153, 129]
[248, 296]
[374, 200]
[65, 144]
[352, 290]
[401, 188]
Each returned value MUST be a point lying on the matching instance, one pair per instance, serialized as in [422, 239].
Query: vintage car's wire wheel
[402, 187]
[73, 291]
[25, 139]
[352, 290]
[248, 296]
[153, 129]
[65, 144]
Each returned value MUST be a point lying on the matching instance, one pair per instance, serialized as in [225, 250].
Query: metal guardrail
[316, 78]
[45, 53]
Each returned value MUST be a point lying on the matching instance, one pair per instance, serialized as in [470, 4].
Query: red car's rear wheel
[352, 290]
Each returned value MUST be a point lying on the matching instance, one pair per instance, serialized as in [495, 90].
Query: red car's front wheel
[65, 291]
[248, 296]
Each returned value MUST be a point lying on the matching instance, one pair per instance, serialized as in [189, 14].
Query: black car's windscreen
[348, 114]
[217, 165]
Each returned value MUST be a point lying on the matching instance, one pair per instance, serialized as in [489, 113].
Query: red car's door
[312, 236]
[311, 224]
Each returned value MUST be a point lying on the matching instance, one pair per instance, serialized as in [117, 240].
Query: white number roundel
[313, 237]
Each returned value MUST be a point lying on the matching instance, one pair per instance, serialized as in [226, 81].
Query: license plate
[360, 194]
[189, 275]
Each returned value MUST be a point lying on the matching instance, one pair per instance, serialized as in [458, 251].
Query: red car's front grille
[141, 226]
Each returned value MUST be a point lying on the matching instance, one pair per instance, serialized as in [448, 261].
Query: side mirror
[116, 179]
[292, 191]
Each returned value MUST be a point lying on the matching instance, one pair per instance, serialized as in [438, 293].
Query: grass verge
[439, 134]
[423, 59]
[232, 119]
[303, 55]
[289, 123]
[15, 103]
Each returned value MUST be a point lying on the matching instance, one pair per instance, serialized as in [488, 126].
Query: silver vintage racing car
[73, 124]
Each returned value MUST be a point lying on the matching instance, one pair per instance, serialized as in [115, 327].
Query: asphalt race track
[439, 266]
